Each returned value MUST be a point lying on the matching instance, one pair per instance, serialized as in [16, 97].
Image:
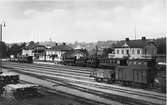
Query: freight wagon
[108, 75]
[161, 76]
[104, 75]
[138, 72]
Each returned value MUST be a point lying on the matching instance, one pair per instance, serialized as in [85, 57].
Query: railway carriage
[92, 62]
[12, 58]
[69, 60]
[111, 63]
[138, 72]
[81, 62]
[25, 59]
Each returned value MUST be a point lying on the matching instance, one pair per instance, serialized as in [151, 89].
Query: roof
[38, 45]
[83, 51]
[133, 43]
[30, 46]
[60, 48]
[19, 86]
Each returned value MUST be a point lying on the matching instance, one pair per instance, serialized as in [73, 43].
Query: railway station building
[55, 53]
[78, 53]
[135, 49]
[36, 50]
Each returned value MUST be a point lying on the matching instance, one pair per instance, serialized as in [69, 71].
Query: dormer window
[125, 45]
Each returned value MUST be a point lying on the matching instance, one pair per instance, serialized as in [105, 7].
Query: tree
[14, 50]
[22, 45]
[31, 43]
[161, 45]
[3, 49]
[106, 51]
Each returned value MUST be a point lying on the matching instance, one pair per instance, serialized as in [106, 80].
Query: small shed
[20, 91]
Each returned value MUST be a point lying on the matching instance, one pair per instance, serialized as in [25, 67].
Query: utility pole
[1, 52]
[1, 42]
[135, 31]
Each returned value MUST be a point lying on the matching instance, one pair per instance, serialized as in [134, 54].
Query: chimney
[143, 38]
[56, 44]
[64, 44]
[126, 39]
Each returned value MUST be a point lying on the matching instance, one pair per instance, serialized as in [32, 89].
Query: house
[55, 53]
[36, 50]
[135, 49]
[39, 51]
[27, 51]
[78, 53]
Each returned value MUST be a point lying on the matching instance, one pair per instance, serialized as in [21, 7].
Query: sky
[82, 20]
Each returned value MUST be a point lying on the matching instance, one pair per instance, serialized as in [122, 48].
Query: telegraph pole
[1, 52]
[1, 43]
[135, 31]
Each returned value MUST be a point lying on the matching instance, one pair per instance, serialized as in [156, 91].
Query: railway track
[105, 89]
[75, 69]
[57, 71]
[71, 68]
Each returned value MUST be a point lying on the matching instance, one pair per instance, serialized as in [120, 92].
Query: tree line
[14, 49]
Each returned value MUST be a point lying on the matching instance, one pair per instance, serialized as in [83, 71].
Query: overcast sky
[81, 20]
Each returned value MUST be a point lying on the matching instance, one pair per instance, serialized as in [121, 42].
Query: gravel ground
[49, 99]
[45, 99]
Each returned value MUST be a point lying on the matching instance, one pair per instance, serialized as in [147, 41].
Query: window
[122, 51]
[127, 51]
[117, 51]
[133, 51]
[138, 51]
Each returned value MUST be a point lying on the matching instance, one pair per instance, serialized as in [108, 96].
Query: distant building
[27, 51]
[36, 50]
[55, 53]
[39, 52]
[133, 49]
[78, 53]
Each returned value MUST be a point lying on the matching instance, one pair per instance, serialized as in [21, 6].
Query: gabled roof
[71, 52]
[28, 47]
[31, 46]
[38, 45]
[60, 48]
[133, 43]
